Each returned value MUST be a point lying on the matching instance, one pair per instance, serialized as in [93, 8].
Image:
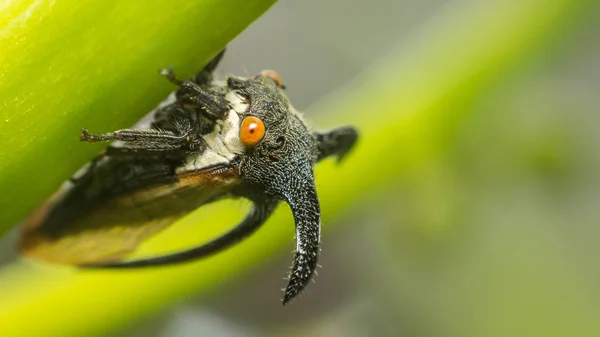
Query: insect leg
[205, 76]
[336, 142]
[212, 104]
[249, 225]
[194, 90]
[135, 136]
[127, 151]
[140, 138]
[183, 137]
[170, 76]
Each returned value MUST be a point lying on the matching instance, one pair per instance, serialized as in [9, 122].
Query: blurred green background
[470, 208]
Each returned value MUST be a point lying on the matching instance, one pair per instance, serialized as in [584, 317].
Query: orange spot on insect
[252, 131]
[274, 76]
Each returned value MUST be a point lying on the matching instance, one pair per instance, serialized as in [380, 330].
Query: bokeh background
[494, 235]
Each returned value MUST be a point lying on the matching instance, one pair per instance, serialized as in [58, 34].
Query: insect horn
[303, 201]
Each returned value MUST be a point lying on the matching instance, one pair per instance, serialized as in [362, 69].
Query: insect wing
[79, 225]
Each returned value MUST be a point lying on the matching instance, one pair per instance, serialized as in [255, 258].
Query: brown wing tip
[30, 240]
[68, 250]
[32, 243]
[37, 247]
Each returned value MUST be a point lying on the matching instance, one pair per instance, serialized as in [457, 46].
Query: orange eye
[274, 76]
[252, 131]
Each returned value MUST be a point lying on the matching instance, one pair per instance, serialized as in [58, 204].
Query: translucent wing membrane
[93, 221]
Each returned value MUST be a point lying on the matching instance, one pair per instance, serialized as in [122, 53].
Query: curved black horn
[304, 203]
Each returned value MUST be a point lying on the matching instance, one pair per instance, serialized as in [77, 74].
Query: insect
[210, 139]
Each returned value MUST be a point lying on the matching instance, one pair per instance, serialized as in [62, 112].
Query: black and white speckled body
[186, 153]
